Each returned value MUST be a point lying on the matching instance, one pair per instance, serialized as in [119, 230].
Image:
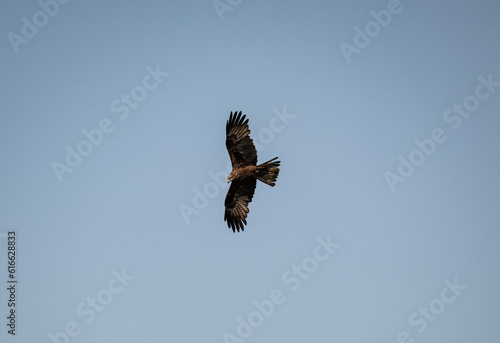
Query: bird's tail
[267, 172]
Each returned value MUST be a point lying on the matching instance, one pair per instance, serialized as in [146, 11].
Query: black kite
[245, 171]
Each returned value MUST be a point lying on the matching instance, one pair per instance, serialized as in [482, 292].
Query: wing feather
[238, 197]
[238, 142]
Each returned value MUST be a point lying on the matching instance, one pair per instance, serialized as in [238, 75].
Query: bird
[245, 172]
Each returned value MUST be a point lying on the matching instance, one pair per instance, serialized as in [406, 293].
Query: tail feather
[267, 172]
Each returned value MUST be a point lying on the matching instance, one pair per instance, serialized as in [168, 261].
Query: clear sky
[383, 226]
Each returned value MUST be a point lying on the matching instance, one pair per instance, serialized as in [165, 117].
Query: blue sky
[383, 225]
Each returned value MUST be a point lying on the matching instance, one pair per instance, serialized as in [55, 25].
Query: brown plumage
[245, 171]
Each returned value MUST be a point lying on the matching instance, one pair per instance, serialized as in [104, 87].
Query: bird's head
[230, 177]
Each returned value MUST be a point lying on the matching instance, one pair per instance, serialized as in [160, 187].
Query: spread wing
[239, 195]
[238, 142]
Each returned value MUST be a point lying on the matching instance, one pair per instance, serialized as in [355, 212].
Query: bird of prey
[245, 171]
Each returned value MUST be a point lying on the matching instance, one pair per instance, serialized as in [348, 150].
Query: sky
[383, 225]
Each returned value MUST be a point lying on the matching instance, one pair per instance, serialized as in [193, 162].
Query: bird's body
[241, 173]
[245, 171]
